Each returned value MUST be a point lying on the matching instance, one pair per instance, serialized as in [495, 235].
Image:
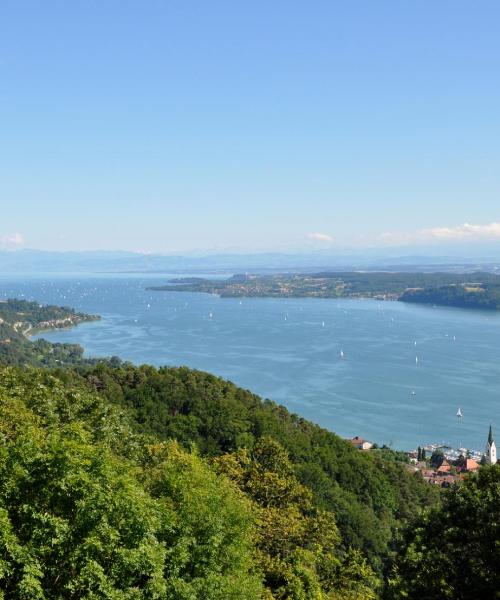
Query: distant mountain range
[31, 261]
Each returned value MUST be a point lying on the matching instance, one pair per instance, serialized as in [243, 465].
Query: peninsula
[20, 318]
[468, 290]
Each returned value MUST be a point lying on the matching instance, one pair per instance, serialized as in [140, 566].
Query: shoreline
[34, 330]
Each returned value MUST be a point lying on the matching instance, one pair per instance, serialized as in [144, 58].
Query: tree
[87, 510]
[437, 458]
[298, 546]
[453, 552]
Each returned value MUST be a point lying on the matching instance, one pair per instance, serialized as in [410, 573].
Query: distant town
[441, 465]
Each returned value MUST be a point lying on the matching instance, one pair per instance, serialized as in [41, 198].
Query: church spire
[491, 449]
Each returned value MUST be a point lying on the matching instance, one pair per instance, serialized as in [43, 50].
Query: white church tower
[491, 449]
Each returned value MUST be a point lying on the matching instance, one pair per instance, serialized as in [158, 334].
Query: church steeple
[491, 449]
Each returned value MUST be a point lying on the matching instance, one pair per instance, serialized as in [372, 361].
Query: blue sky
[174, 126]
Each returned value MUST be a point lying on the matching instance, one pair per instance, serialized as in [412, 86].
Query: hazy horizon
[431, 251]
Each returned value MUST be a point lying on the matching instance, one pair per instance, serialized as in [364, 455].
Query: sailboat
[459, 413]
[341, 354]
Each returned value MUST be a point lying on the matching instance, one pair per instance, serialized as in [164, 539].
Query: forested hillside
[20, 317]
[371, 497]
[23, 314]
[89, 508]
[483, 296]
[131, 482]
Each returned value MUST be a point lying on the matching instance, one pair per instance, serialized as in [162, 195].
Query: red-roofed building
[444, 467]
[360, 443]
[470, 465]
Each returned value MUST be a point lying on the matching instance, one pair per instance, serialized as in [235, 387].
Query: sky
[174, 126]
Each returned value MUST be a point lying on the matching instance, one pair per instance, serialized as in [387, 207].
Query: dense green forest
[18, 317]
[120, 481]
[483, 296]
[453, 552]
[92, 508]
[24, 312]
[370, 496]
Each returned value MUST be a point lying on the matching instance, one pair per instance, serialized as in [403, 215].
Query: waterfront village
[439, 464]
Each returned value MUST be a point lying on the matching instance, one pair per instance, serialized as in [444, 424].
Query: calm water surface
[290, 351]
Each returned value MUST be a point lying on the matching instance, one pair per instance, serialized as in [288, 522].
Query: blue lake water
[289, 350]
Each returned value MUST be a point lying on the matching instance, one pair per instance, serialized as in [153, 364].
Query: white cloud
[11, 240]
[319, 237]
[460, 233]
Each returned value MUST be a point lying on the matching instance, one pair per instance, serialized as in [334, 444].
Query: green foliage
[34, 314]
[39, 353]
[18, 317]
[371, 494]
[485, 296]
[91, 509]
[453, 551]
[298, 545]
[212, 534]
[88, 510]
[389, 454]
[437, 458]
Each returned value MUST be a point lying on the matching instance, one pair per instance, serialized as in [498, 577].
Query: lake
[289, 350]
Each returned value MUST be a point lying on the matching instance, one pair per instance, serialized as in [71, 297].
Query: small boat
[459, 412]
[413, 393]
[341, 354]
[322, 324]
[416, 360]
